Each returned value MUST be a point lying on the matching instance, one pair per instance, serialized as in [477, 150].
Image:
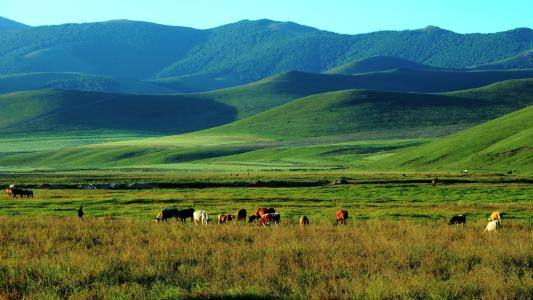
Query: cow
[304, 221]
[18, 192]
[168, 213]
[458, 219]
[8, 191]
[493, 226]
[435, 181]
[241, 215]
[223, 218]
[341, 217]
[496, 216]
[269, 218]
[263, 210]
[28, 193]
[200, 216]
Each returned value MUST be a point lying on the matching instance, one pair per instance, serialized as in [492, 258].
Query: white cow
[200, 216]
[493, 226]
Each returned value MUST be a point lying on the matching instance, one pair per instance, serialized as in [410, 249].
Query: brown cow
[435, 181]
[241, 215]
[269, 218]
[341, 216]
[8, 191]
[263, 210]
[223, 218]
[304, 220]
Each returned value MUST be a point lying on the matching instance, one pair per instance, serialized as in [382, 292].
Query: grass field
[397, 243]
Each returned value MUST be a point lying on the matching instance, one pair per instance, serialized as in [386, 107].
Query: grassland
[504, 143]
[397, 243]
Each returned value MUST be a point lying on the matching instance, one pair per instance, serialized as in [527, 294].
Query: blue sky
[344, 16]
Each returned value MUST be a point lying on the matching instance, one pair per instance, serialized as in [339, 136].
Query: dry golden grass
[45, 257]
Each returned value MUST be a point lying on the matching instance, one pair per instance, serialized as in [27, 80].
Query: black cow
[458, 219]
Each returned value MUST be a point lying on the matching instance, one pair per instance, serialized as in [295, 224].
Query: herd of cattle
[12, 191]
[266, 216]
[262, 216]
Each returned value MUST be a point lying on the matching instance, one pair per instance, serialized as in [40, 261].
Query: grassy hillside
[377, 63]
[58, 110]
[521, 61]
[505, 143]
[245, 51]
[383, 114]
[77, 81]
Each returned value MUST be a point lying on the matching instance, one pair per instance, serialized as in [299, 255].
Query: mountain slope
[243, 52]
[502, 144]
[58, 110]
[521, 61]
[375, 64]
[383, 114]
[77, 81]
[10, 24]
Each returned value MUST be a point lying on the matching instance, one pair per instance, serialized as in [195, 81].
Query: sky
[342, 16]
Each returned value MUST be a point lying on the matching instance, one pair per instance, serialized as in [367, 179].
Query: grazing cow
[266, 219]
[241, 215]
[18, 192]
[435, 181]
[200, 216]
[8, 191]
[304, 220]
[252, 218]
[263, 210]
[341, 216]
[223, 218]
[458, 219]
[28, 193]
[493, 226]
[496, 216]
[168, 213]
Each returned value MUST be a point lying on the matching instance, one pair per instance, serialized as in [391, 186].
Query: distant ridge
[10, 24]
[236, 53]
[377, 63]
[520, 61]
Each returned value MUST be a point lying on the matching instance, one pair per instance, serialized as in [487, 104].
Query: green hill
[379, 114]
[77, 81]
[505, 143]
[375, 64]
[241, 52]
[521, 61]
[59, 110]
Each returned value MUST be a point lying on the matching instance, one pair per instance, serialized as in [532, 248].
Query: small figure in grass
[80, 212]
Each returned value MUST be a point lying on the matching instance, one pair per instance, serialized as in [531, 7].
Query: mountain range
[236, 53]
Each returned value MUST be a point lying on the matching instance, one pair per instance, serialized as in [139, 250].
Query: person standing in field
[80, 212]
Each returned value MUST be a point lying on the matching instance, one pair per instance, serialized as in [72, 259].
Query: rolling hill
[375, 64]
[505, 143]
[521, 61]
[59, 110]
[336, 122]
[380, 114]
[63, 110]
[78, 81]
[240, 52]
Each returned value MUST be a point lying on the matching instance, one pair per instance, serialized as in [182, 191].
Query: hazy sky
[344, 16]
